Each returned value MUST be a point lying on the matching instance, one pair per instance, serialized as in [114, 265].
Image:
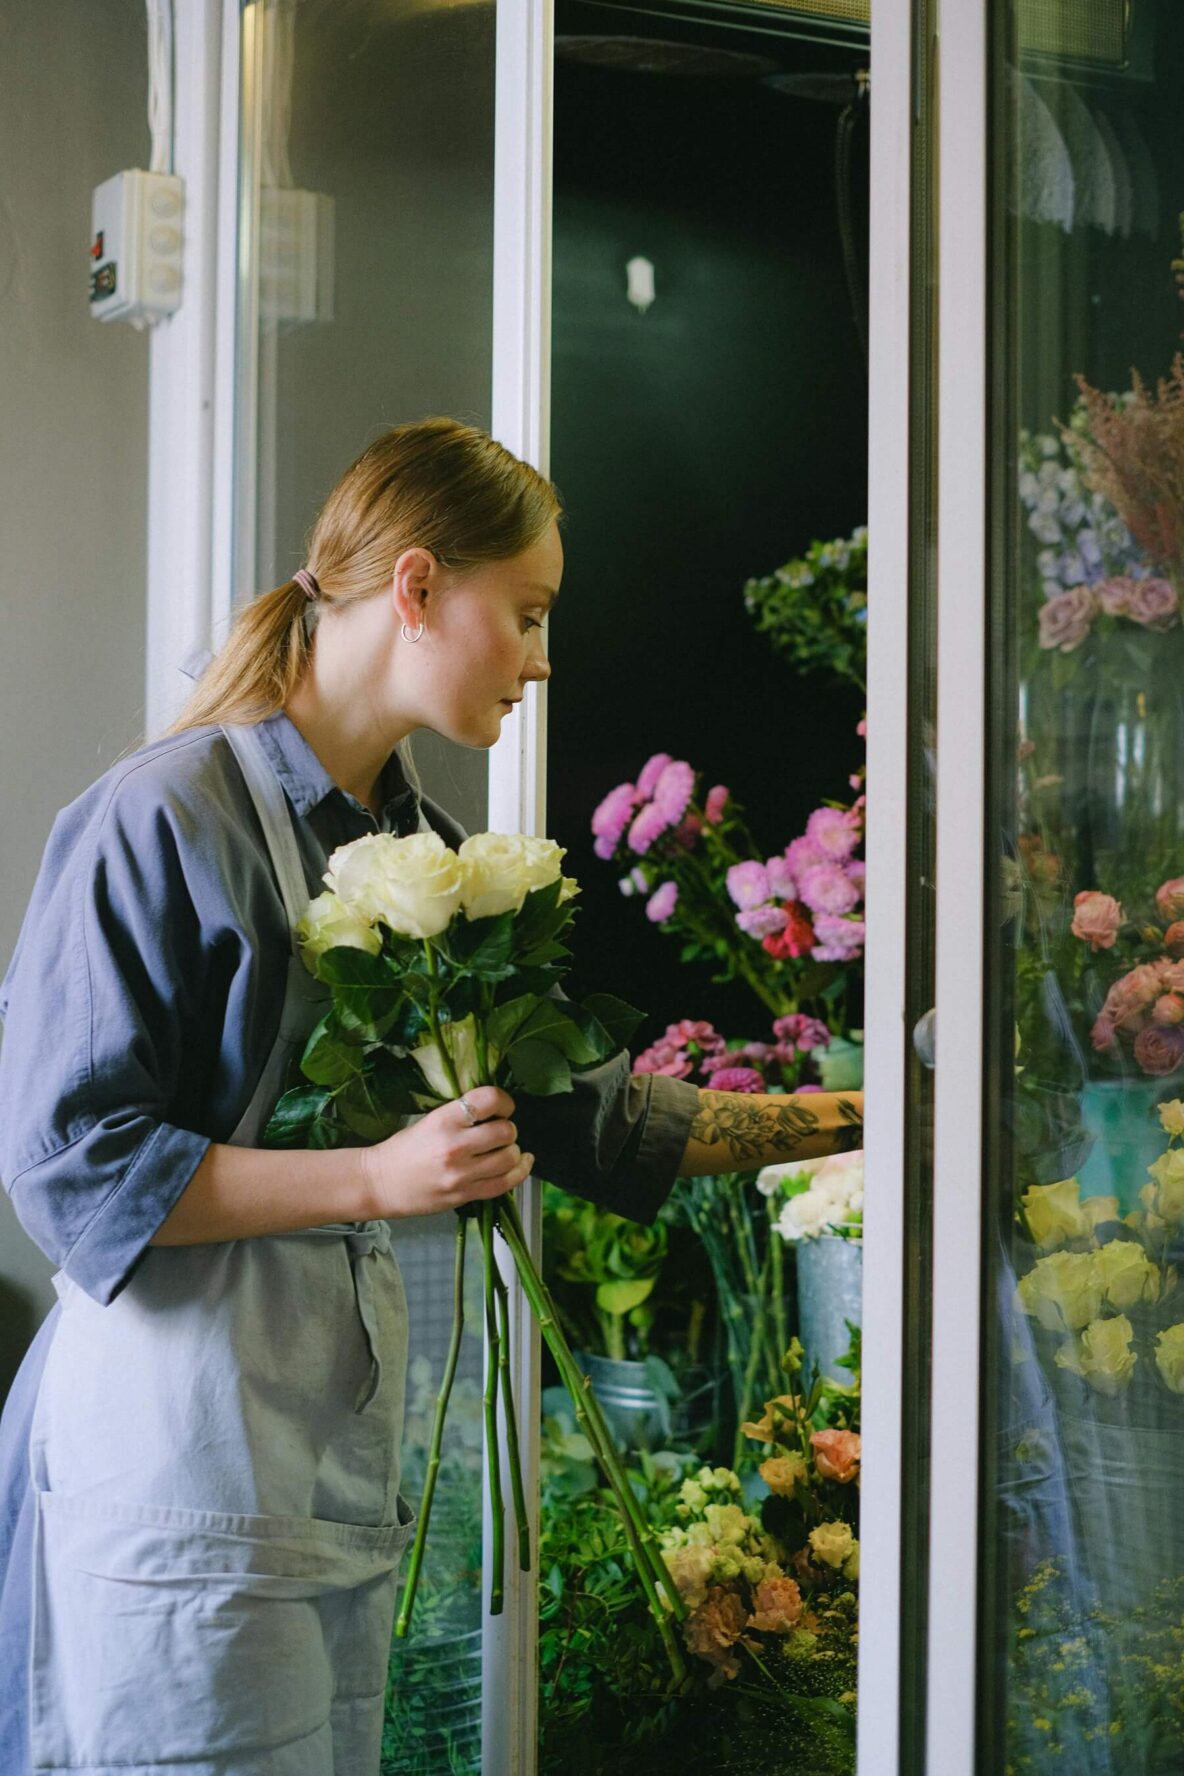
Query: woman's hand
[441, 1162]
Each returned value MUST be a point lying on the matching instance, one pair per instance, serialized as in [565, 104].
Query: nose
[537, 666]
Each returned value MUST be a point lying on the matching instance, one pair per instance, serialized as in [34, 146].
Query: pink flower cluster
[804, 900]
[1067, 618]
[641, 812]
[1146, 1004]
[692, 1044]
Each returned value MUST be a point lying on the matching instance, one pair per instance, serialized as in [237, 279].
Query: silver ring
[468, 1110]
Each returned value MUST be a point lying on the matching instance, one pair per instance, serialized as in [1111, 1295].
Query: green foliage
[602, 1269]
[357, 1079]
[814, 609]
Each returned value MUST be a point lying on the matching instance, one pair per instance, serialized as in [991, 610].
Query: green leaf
[619, 1019]
[294, 1115]
[539, 1069]
[619, 1298]
[367, 990]
[327, 1059]
[483, 947]
[374, 1103]
[559, 1022]
[505, 1020]
[540, 918]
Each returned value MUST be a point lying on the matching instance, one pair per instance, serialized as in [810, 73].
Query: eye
[531, 624]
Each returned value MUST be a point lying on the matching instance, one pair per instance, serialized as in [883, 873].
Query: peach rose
[1097, 919]
[1168, 1009]
[1169, 898]
[836, 1454]
[1173, 938]
[1159, 1050]
[777, 1606]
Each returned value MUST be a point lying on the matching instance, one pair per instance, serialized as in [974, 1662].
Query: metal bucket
[830, 1291]
[638, 1414]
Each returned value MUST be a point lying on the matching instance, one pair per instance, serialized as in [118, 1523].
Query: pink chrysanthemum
[717, 801]
[839, 940]
[826, 888]
[737, 1079]
[802, 854]
[762, 921]
[612, 817]
[649, 825]
[748, 884]
[662, 903]
[834, 831]
[650, 772]
[674, 789]
[781, 880]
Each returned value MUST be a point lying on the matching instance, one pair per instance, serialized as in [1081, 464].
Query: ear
[413, 572]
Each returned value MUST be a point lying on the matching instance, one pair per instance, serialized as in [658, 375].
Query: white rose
[413, 884]
[330, 924]
[803, 1217]
[770, 1179]
[461, 1039]
[501, 869]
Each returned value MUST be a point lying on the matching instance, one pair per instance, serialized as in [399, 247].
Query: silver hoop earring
[412, 635]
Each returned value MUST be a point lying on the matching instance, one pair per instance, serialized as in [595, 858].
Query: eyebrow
[538, 586]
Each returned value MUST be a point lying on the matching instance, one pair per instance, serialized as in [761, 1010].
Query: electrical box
[295, 255]
[137, 233]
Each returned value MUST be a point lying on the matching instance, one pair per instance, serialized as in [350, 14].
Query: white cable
[160, 84]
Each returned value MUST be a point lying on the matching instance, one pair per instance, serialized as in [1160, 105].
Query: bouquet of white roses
[444, 967]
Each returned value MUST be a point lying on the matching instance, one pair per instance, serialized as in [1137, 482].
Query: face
[483, 641]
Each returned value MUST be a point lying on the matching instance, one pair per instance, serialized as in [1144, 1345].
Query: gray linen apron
[215, 1456]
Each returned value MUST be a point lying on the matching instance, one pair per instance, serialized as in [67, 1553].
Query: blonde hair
[435, 484]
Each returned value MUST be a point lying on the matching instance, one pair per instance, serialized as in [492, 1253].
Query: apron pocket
[162, 1635]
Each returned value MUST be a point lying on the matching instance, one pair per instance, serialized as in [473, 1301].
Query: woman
[199, 1461]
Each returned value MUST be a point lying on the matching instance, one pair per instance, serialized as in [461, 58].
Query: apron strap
[272, 809]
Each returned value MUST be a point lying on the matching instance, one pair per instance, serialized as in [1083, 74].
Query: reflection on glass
[1084, 1601]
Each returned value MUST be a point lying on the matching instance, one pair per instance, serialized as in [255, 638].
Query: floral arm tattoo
[758, 1132]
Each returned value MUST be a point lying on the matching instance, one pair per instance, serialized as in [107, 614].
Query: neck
[337, 711]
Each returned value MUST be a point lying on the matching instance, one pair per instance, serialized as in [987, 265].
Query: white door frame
[961, 861]
[521, 413]
[182, 369]
[886, 998]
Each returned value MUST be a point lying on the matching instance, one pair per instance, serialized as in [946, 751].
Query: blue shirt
[144, 994]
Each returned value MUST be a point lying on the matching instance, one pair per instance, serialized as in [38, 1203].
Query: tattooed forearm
[737, 1131]
[748, 1130]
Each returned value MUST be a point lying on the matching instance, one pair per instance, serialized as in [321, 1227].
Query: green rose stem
[650, 1568]
[492, 1347]
[433, 1467]
[521, 1518]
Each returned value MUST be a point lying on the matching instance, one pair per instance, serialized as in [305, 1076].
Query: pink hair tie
[307, 581]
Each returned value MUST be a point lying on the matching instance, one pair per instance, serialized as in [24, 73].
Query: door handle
[925, 1038]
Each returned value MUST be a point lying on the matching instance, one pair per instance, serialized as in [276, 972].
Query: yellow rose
[1126, 1274]
[1102, 1354]
[1171, 1116]
[329, 924]
[832, 1542]
[781, 1471]
[851, 1564]
[412, 884]
[1062, 1291]
[1169, 1357]
[1054, 1213]
[1097, 1209]
[1168, 1172]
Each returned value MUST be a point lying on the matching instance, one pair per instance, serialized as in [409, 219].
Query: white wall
[73, 468]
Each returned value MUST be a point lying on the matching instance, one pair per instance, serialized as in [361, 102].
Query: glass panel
[365, 279]
[1083, 1568]
[709, 422]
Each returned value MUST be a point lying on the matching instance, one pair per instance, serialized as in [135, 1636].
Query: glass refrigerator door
[1057, 1552]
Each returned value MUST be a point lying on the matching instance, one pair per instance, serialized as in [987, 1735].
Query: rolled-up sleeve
[617, 1137]
[98, 1009]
